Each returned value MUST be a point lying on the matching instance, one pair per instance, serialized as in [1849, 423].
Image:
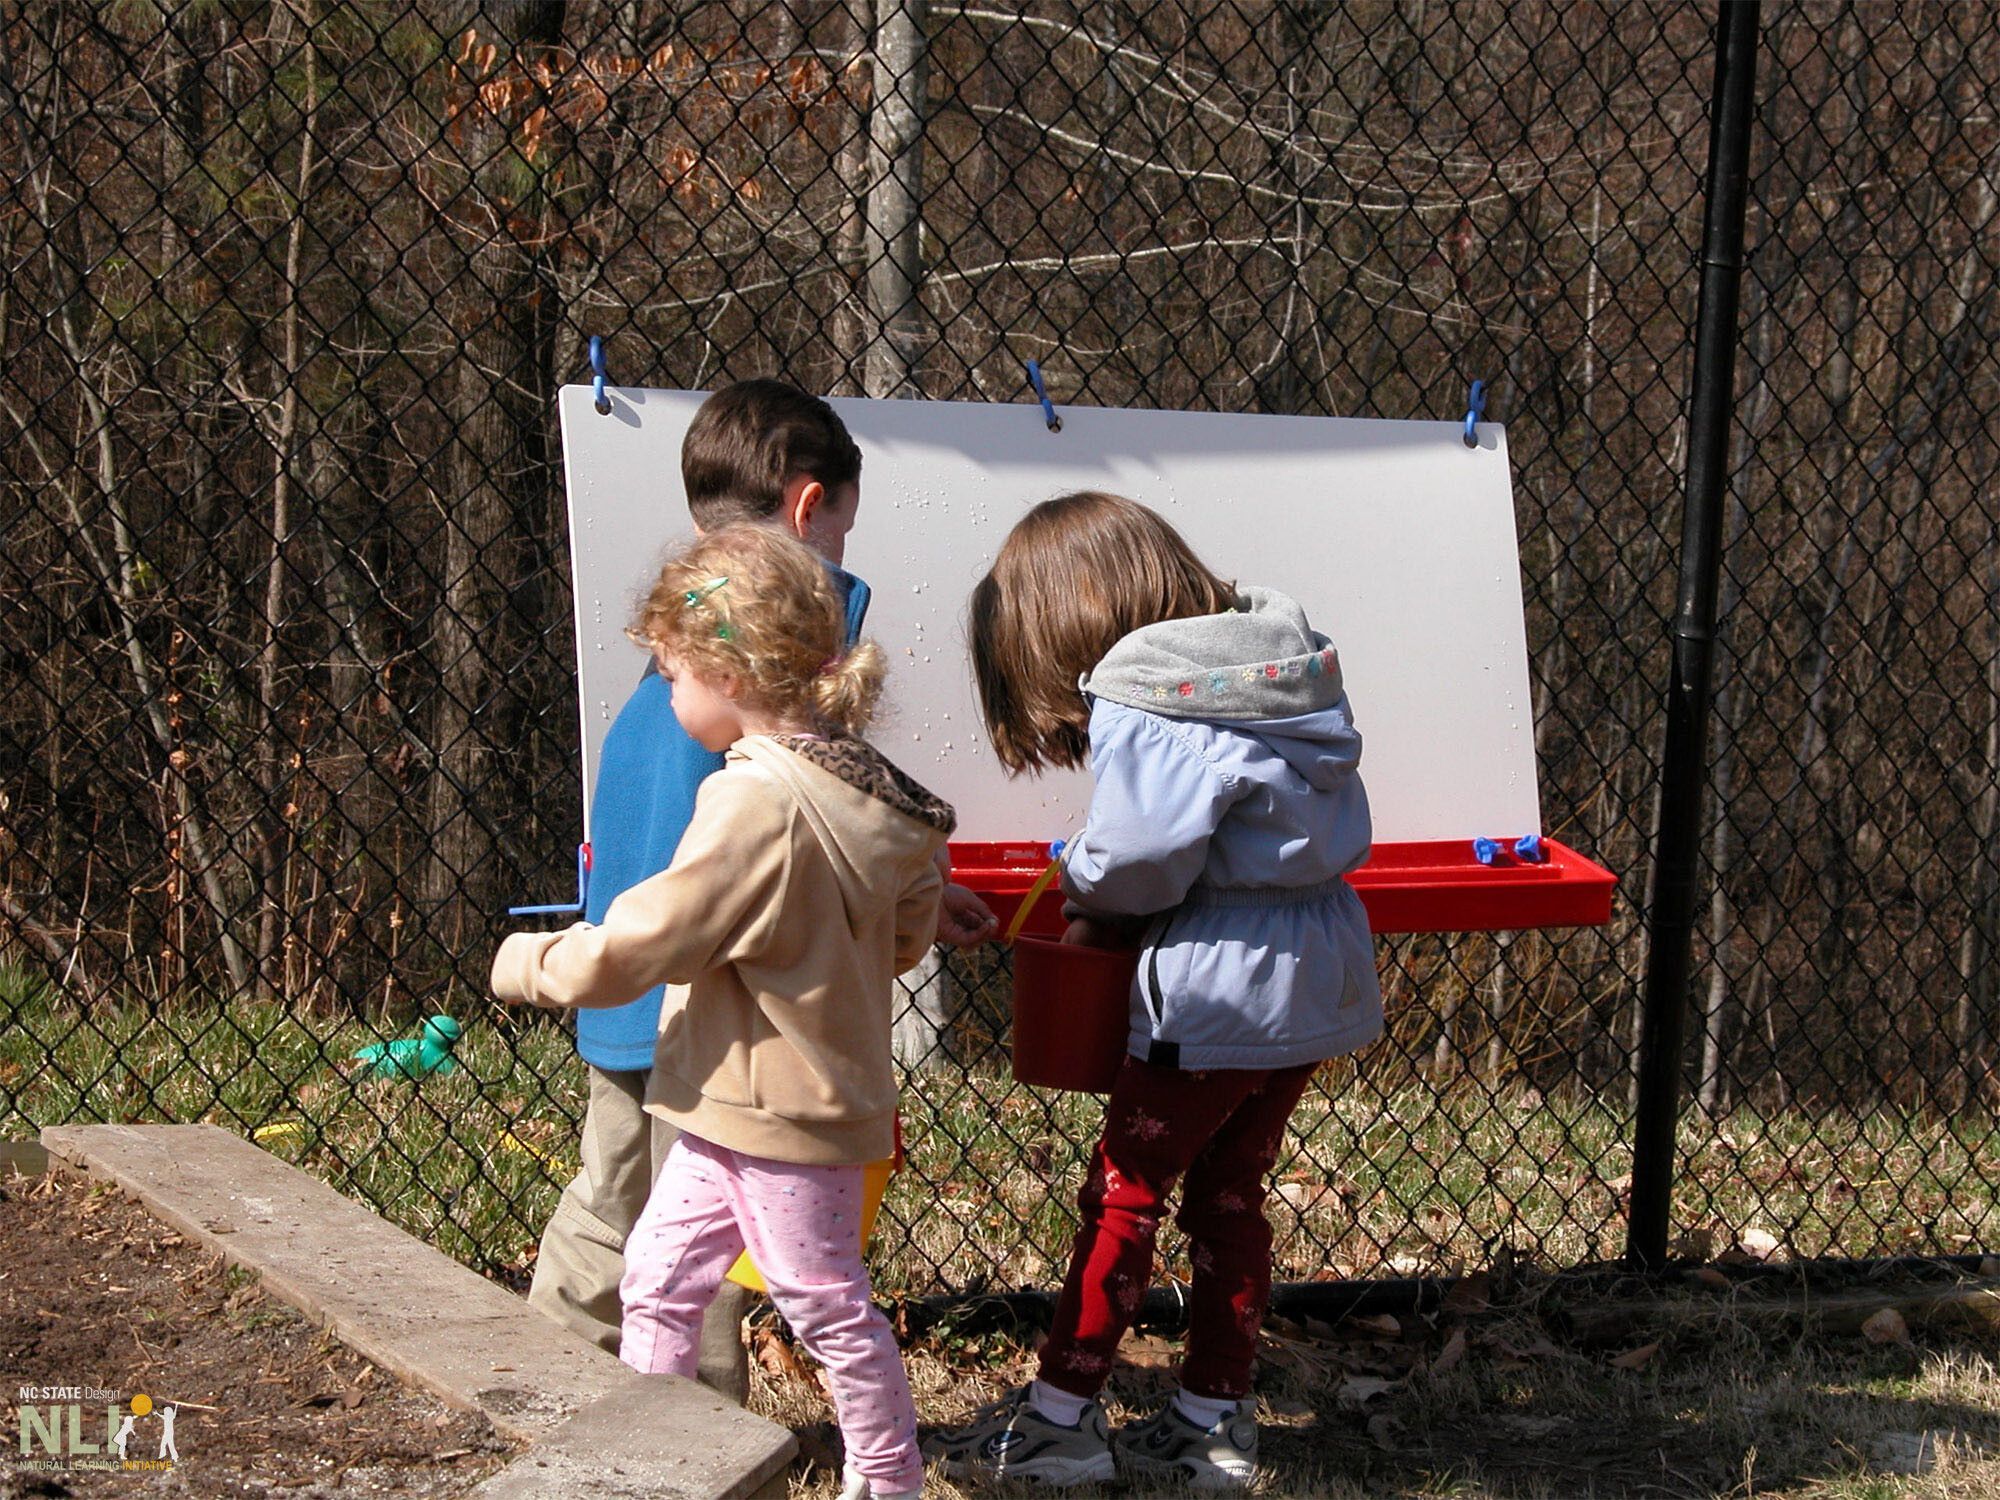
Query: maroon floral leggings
[1222, 1129]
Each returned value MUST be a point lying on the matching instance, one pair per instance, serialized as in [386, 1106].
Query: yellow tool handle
[1028, 901]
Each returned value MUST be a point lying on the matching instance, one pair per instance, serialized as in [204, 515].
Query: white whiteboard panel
[1396, 537]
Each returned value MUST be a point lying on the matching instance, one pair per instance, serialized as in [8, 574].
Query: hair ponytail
[752, 604]
[846, 689]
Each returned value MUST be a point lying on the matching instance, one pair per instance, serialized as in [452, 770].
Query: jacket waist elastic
[1269, 895]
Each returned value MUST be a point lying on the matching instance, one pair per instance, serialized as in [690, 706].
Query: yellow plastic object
[1034, 894]
[874, 1183]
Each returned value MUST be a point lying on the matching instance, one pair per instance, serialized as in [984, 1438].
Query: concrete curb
[597, 1426]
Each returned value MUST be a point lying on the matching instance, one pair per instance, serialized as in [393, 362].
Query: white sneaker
[1222, 1457]
[1009, 1439]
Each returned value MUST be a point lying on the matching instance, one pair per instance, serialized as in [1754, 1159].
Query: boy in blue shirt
[759, 450]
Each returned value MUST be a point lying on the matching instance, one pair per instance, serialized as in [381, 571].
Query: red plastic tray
[1433, 887]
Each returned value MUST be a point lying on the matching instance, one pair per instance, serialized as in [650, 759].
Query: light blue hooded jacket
[1228, 805]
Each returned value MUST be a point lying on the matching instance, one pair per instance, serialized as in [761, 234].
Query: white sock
[1058, 1406]
[1203, 1411]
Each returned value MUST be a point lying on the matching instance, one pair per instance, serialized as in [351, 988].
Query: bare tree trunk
[490, 453]
[853, 330]
[117, 575]
[1979, 944]
[1714, 1091]
[892, 245]
[892, 251]
[1497, 1005]
[274, 847]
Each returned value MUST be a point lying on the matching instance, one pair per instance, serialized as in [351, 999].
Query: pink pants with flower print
[1222, 1129]
[802, 1227]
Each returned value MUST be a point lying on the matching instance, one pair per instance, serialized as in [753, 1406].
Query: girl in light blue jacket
[1228, 805]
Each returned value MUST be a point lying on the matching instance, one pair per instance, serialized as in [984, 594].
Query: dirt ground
[94, 1292]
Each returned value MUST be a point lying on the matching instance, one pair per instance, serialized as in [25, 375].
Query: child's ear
[803, 497]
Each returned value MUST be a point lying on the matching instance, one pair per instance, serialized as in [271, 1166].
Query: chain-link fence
[287, 716]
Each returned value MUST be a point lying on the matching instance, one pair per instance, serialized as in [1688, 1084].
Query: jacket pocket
[1153, 994]
[1149, 990]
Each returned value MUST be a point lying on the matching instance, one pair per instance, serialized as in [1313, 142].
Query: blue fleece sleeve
[1157, 802]
[647, 778]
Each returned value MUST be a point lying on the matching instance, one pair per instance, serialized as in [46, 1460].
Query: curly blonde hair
[751, 603]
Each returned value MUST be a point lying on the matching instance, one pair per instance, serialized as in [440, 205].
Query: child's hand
[964, 920]
[1104, 932]
[513, 978]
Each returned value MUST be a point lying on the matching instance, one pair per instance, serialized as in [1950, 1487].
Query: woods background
[287, 701]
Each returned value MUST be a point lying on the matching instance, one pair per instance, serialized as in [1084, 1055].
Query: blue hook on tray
[597, 376]
[1042, 395]
[1475, 408]
[582, 891]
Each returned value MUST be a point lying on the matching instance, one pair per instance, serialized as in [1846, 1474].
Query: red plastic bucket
[1072, 1013]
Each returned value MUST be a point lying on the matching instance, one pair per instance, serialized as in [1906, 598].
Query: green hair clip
[695, 596]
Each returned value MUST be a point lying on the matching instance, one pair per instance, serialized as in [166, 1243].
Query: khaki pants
[583, 1250]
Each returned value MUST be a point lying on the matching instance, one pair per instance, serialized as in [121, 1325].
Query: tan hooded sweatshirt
[806, 881]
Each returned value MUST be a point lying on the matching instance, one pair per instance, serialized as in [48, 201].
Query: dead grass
[1493, 1400]
[1422, 1180]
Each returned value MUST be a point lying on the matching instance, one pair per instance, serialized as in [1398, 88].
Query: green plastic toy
[413, 1057]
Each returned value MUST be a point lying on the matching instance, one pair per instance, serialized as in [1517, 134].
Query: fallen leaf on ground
[1357, 1391]
[1382, 1427]
[1452, 1352]
[1143, 1351]
[1760, 1243]
[777, 1358]
[1380, 1326]
[1306, 1196]
[1470, 1294]
[1636, 1359]
[1886, 1327]
[1696, 1244]
[1538, 1347]
[1710, 1277]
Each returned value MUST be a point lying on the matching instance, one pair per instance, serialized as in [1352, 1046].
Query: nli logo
[59, 1431]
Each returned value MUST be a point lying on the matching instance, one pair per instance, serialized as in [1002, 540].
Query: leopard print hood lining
[868, 770]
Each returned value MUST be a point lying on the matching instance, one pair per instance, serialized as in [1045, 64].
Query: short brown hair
[750, 602]
[751, 439]
[1075, 575]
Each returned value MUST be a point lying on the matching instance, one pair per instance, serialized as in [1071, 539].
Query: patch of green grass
[1403, 1181]
[470, 1161]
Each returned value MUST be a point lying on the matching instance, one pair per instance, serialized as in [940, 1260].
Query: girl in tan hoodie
[807, 880]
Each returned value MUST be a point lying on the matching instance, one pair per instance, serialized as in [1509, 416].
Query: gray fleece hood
[1260, 660]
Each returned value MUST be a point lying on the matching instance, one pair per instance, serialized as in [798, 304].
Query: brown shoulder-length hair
[1075, 575]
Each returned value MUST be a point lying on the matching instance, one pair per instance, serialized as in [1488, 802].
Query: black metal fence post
[1711, 403]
